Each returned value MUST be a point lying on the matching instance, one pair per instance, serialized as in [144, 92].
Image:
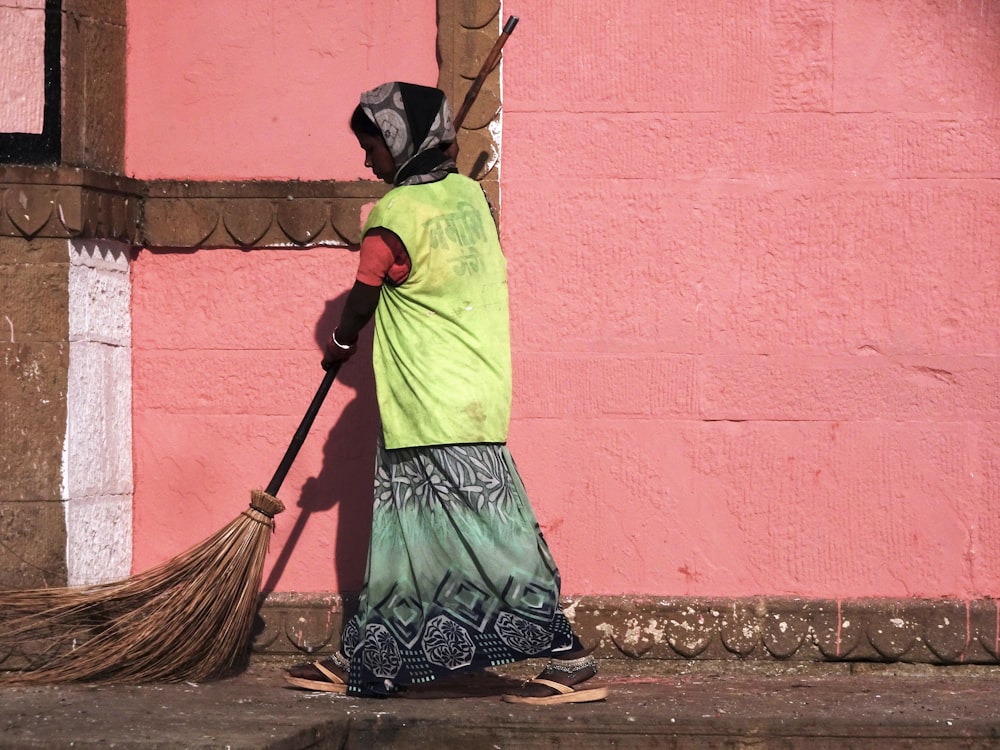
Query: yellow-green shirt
[442, 337]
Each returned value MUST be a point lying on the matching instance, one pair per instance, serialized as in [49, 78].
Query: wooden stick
[488, 65]
[300, 434]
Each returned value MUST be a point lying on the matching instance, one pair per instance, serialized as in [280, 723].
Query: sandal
[320, 675]
[545, 692]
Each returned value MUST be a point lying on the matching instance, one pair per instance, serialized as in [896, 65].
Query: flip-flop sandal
[332, 683]
[561, 694]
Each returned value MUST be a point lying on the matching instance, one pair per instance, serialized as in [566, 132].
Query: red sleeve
[383, 258]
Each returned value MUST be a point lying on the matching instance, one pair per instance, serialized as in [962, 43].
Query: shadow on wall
[346, 477]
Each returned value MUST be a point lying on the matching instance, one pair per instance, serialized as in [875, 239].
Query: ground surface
[651, 705]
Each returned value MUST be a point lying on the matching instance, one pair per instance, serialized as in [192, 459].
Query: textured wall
[227, 343]
[22, 76]
[267, 86]
[226, 352]
[755, 267]
[755, 288]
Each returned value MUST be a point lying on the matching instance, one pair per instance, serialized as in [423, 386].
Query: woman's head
[361, 123]
[377, 156]
[413, 125]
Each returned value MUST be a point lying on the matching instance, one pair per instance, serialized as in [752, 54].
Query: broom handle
[300, 434]
[303, 431]
[484, 71]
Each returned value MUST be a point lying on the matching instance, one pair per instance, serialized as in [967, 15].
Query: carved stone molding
[255, 213]
[758, 629]
[938, 631]
[68, 202]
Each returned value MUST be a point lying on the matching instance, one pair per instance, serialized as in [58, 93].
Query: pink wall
[22, 79]
[226, 360]
[226, 343]
[234, 89]
[755, 282]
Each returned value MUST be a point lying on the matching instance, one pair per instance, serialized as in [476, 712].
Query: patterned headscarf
[415, 122]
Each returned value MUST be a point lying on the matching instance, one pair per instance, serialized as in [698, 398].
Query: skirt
[458, 577]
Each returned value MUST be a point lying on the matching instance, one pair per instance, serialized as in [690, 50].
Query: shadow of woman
[346, 477]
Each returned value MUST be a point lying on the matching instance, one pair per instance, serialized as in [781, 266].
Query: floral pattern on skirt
[459, 576]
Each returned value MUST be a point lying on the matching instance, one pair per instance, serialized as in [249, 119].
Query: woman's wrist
[339, 344]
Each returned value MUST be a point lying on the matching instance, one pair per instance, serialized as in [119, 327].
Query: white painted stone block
[100, 548]
[99, 293]
[99, 420]
[97, 455]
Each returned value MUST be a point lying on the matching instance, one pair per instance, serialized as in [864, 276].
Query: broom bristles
[186, 619]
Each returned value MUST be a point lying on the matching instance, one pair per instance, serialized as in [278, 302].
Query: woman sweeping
[459, 577]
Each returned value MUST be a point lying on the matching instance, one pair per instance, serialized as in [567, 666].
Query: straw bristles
[187, 619]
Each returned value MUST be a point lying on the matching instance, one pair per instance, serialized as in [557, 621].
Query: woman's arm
[383, 257]
[358, 310]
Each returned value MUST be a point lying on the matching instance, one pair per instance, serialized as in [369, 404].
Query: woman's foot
[556, 683]
[327, 675]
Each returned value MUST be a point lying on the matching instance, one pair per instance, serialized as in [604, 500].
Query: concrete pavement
[652, 705]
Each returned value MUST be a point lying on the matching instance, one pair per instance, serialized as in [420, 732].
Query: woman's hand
[337, 351]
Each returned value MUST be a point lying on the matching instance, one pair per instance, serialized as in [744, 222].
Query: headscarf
[415, 122]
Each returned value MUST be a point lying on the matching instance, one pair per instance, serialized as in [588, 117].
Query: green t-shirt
[442, 337]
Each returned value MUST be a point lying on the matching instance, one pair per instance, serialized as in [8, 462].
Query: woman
[459, 577]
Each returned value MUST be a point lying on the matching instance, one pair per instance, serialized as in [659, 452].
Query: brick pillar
[65, 416]
[33, 346]
[65, 422]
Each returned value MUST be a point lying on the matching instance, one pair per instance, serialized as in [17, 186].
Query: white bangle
[333, 338]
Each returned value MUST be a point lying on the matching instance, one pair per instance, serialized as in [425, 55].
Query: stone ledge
[921, 631]
[67, 202]
[255, 213]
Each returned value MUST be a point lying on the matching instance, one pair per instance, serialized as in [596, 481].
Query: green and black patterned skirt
[459, 577]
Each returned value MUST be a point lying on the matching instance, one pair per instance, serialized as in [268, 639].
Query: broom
[186, 619]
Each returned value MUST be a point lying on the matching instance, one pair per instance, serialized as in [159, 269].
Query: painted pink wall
[226, 360]
[22, 78]
[258, 89]
[226, 343]
[755, 283]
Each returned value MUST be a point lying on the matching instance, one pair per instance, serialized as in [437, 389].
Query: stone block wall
[34, 325]
[65, 435]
